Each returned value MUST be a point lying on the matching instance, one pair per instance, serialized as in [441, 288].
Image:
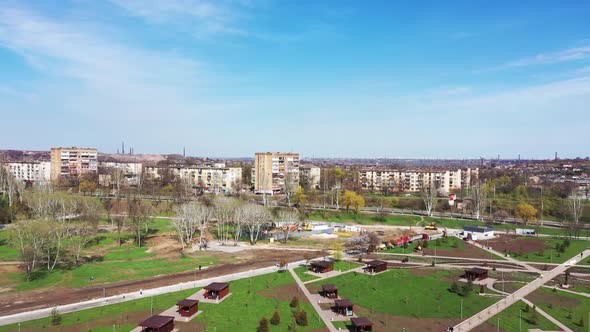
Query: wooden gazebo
[329, 291]
[476, 273]
[216, 290]
[361, 324]
[187, 308]
[157, 324]
[375, 266]
[322, 266]
[343, 307]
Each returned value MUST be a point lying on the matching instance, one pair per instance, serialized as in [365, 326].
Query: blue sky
[421, 79]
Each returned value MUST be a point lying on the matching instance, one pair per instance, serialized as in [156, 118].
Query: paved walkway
[498, 307]
[46, 312]
[325, 316]
[549, 317]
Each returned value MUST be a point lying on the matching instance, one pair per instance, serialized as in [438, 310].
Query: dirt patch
[282, 293]
[128, 318]
[422, 272]
[163, 245]
[470, 251]
[543, 298]
[521, 246]
[384, 323]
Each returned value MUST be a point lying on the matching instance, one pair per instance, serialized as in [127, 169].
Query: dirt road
[26, 301]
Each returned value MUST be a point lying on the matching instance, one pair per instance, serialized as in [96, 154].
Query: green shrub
[263, 325]
[301, 318]
[276, 318]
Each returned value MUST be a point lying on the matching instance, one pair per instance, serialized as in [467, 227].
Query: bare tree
[576, 208]
[289, 183]
[254, 218]
[83, 232]
[190, 218]
[118, 175]
[288, 219]
[428, 194]
[479, 193]
[139, 215]
[26, 237]
[224, 211]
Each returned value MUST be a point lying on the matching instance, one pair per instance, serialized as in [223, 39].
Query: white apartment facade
[415, 180]
[311, 174]
[211, 179]
[272, 170]
[32, 171]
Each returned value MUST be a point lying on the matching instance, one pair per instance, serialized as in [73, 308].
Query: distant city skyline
[418, 79]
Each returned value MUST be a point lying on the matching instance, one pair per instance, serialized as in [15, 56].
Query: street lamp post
[461, 309]
[498, 327]
[520, 320]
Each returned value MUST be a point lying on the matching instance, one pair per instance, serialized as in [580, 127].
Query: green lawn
[364, 219]
[401, 293]
[561, 305]
[107, 272]
[450, 242]
[345, 265]
[304, 276]
[127, 251]
[510, 319]
[7, 252]
[253, 299]
[551, 255]
[86, 319]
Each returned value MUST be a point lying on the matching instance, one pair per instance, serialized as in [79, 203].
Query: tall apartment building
[73, 162]
[33, 171]
[415, 180]
[211, 179]
[272, 169]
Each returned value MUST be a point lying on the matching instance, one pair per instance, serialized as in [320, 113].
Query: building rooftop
[217, 286]
[343, 303]
[156, 322]
[187, 303]
[361, 321]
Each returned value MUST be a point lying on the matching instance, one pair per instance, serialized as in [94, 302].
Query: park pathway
[498, 307]
[323, 315]
[549, 317]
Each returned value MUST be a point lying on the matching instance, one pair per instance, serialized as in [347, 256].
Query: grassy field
[87, 320]
[567, 308]
[253, 299]
[105, 272]
[551, 255]
[304, 276]
[345, 266]
[510, 319]
[450, 242]
[401, 293]
[7, 252]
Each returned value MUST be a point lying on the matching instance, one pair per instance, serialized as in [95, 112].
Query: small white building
[478, 232]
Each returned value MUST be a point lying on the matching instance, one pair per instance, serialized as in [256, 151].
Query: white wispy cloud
[566, 55]
[104, 67]
[202, 17]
